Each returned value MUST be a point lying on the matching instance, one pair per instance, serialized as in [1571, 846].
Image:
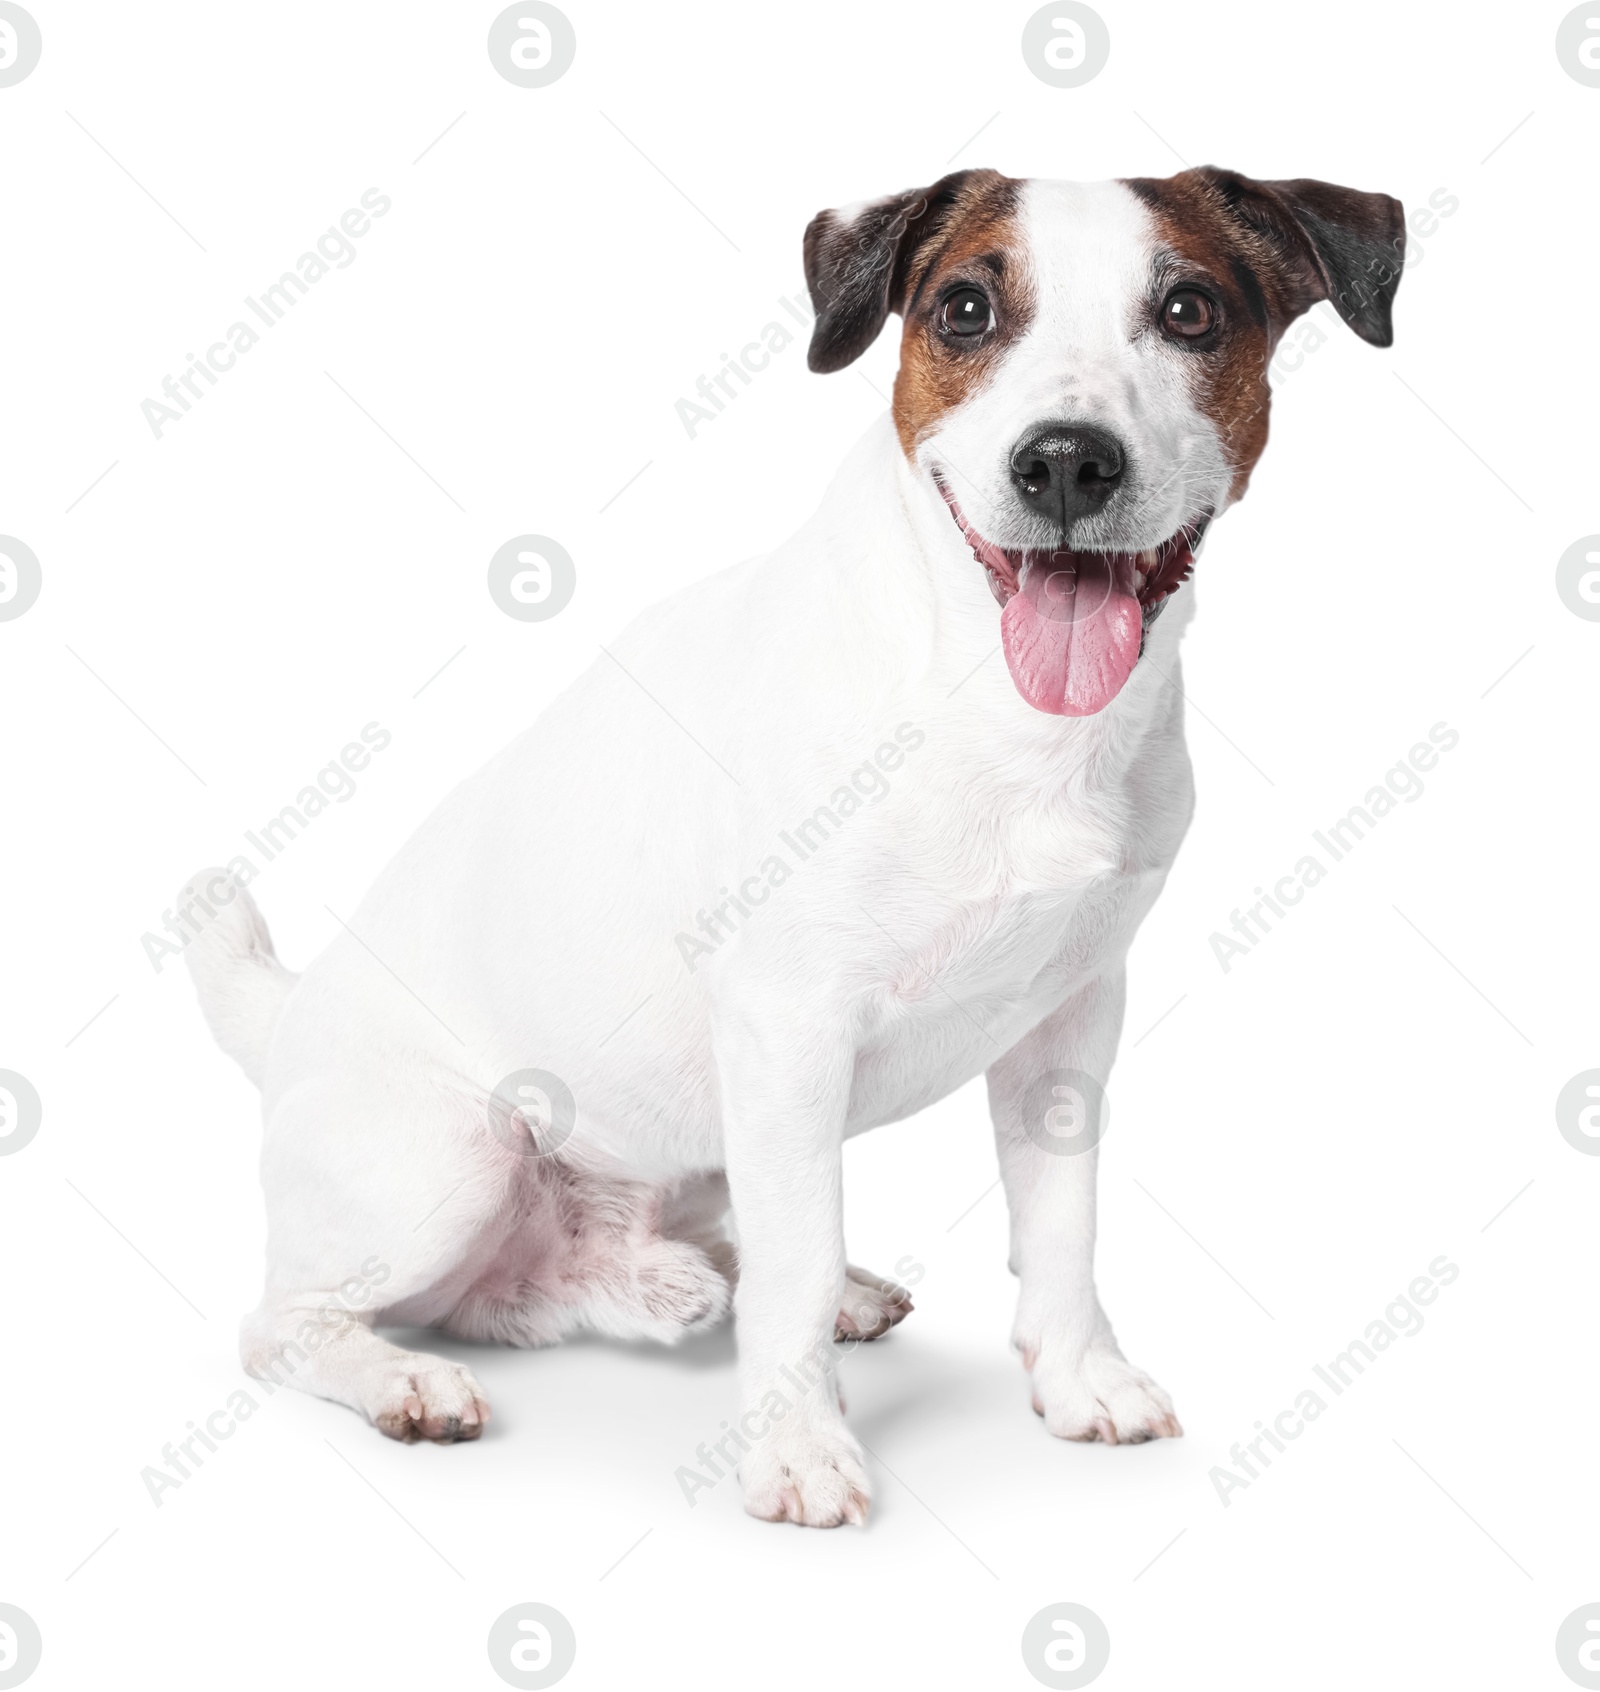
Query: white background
[1356, 1097]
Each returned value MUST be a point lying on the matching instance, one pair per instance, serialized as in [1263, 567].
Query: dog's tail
[241, 984]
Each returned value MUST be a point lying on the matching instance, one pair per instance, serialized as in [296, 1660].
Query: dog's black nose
[1067, 470]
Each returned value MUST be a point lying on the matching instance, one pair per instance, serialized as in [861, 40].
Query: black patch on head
[857, 270]
[1340, 245]
[1244, 278]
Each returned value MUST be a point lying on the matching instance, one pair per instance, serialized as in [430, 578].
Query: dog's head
[1083, 374]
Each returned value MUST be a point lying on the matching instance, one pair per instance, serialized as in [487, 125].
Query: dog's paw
[1098, 1395]
[814, 1476]
[679, 1289]
[414, 1397]
[871, 1307]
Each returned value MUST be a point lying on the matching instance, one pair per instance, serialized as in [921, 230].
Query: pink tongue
[1071, 634]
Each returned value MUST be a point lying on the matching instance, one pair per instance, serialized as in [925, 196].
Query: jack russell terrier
[814, 843]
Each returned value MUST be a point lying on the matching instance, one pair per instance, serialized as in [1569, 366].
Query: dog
[815, 842]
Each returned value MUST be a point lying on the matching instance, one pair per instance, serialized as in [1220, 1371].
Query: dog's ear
[858, 260]
[1326, 242]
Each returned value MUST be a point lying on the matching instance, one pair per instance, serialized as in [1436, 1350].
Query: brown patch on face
[1229, 379]
[978, 248]
[1267, 251]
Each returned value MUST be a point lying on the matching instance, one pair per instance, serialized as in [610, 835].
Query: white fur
[974, 920]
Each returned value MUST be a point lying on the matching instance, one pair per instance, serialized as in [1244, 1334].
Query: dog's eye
[1188, 314]
[966, 312]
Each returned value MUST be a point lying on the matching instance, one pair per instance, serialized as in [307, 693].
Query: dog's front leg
[785, 1088]
[1047, 1121]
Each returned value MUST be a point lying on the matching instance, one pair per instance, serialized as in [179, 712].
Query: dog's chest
[973, 970]
[1019, 948]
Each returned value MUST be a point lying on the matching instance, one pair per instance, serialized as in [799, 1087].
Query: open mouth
[1073, 623]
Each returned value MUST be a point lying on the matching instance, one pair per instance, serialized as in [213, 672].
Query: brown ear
[1331, 243]
[858, 261]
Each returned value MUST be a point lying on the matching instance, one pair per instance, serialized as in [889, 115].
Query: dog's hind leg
[587, 1252]
[381, 1201]
[409, 1395]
